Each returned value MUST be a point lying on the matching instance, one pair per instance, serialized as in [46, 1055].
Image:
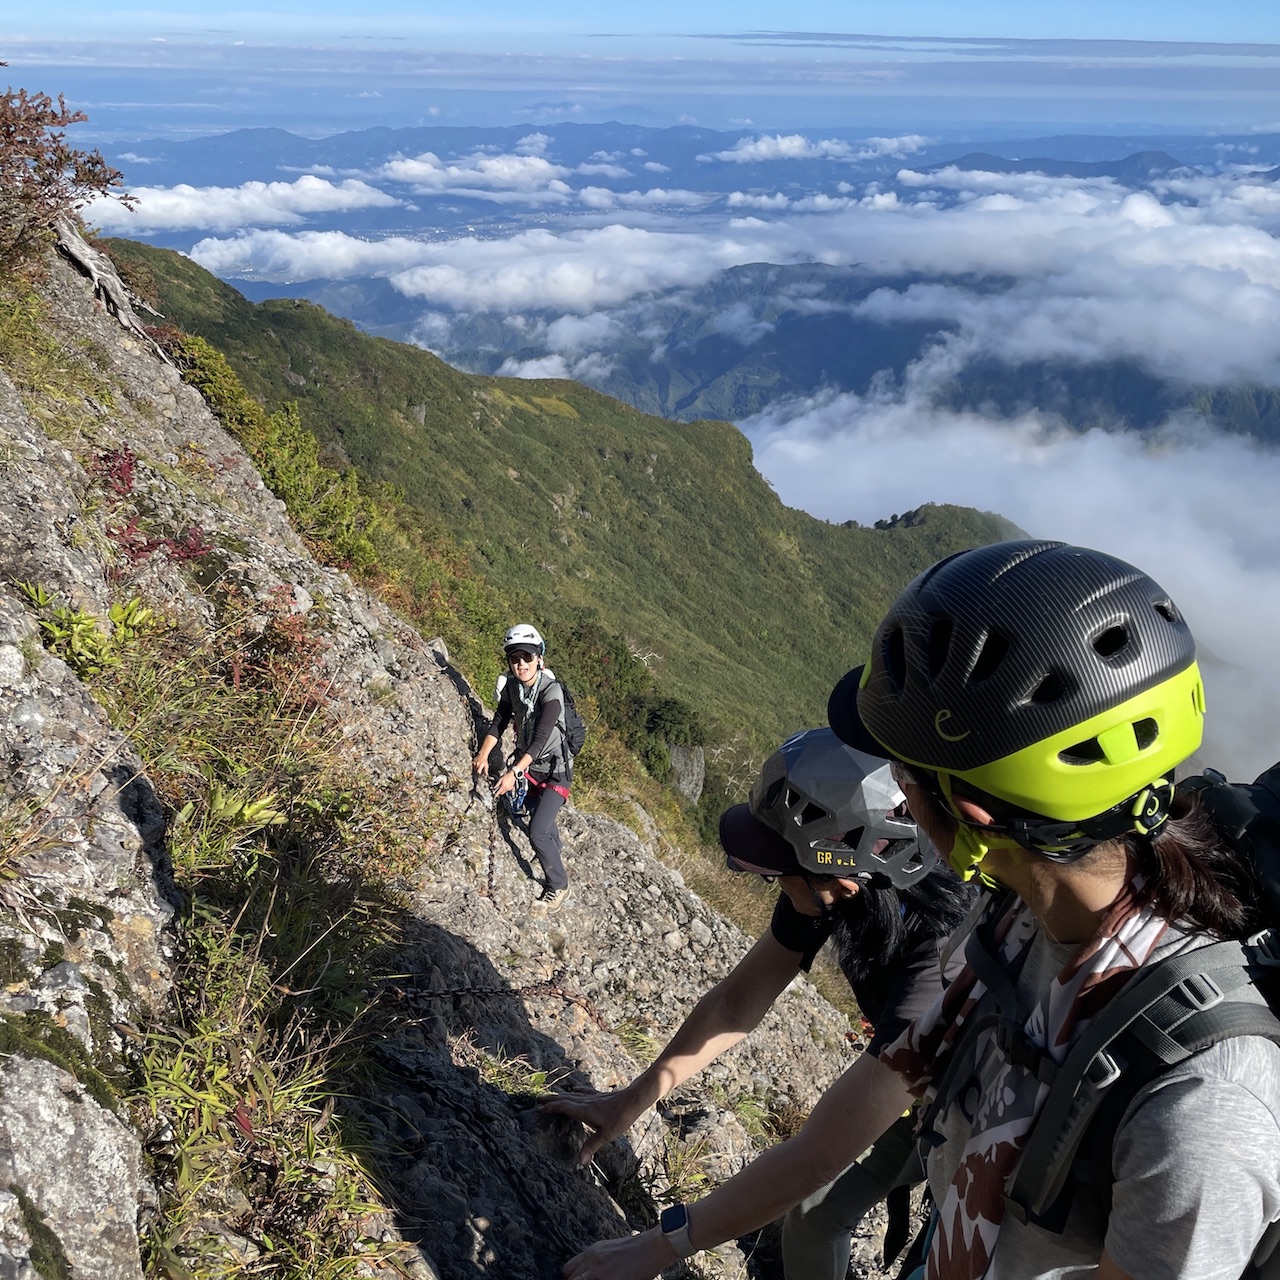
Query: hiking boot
[551, 899]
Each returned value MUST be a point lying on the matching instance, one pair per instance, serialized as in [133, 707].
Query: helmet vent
[1112, 641]
[895, 658]
[774, 792]
[812, 813]
[994, 648]
[1145, 733]
[939, 645]
[1089, 752]
[1167, 610]
[854, 837]
[1050, 689]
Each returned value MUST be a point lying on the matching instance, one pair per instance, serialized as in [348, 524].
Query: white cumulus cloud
[1044, 270]
[603, 198]
[589, 368]
[226, 208]
[523, 176]
[795, 146]
[777, 146]
[577, 272]
[602, 169]
[1189, 506]
[745, 200]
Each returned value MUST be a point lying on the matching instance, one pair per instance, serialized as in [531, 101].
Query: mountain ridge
[577, 504]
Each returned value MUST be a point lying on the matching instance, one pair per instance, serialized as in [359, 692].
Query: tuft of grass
[515, 1076]
[766, 1119]
[54, 374]
[633, 1035]
[684, 1164]
[287, 859]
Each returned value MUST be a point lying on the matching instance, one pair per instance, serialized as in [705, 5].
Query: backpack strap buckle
[1102, 1072]
[1264, 948]
[1200, 991]
[1017, 1048]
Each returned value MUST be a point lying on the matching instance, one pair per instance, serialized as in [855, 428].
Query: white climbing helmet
[522, 635]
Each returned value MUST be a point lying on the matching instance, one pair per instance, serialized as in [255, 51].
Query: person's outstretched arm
[727, 1013]
[492, 736]
[851, 1115]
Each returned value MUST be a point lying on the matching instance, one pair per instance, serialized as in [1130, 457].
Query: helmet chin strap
[970, 846]
[1061, 842]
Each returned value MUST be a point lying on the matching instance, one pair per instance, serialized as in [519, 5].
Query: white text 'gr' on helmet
[522, 635]
[840, 810]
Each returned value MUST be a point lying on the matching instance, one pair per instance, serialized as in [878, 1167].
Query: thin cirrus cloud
[228, 208]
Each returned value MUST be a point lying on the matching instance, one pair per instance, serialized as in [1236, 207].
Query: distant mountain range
[1136, 169]
[796, 333]
[688, 156]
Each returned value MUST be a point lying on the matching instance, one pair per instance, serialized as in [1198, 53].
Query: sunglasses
[904, 776]
[519, 657]
[925, 779]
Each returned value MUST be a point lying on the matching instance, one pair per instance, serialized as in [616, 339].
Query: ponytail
[1194, 877]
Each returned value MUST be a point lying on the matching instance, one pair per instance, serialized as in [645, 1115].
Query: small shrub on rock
[42, 177]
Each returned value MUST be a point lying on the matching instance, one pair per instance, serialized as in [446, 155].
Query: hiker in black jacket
[541, 762]
[823, 823]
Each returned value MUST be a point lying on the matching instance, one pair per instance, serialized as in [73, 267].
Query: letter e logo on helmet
[940, 719]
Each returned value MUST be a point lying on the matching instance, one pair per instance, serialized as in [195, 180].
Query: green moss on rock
[47, 1254]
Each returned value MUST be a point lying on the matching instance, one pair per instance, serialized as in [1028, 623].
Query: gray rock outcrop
[688, 772]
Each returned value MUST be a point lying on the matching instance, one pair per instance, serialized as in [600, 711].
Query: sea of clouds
[1181, 277]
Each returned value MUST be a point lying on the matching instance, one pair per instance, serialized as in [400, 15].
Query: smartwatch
[675, 1226]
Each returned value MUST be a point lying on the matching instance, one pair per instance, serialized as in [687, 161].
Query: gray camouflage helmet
[840, 810]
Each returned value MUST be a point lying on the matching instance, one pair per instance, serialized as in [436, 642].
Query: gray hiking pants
[544, 835]
[816, 1233]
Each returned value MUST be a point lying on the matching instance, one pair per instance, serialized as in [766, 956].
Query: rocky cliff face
[491, 1001]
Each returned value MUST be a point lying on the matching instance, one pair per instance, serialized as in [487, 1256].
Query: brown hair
[1194, 878]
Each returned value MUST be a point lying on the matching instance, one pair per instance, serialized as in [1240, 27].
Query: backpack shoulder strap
[557, 744]
[545, 689]
[1169, 1011]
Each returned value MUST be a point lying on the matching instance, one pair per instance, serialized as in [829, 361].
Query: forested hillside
[594, 519]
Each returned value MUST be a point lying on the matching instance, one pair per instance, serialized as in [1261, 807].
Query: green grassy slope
[581, 505]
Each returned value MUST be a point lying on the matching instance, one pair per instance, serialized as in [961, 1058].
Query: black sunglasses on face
[513, 658]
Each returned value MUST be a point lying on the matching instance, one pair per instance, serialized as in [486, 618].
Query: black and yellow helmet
[1057, 679]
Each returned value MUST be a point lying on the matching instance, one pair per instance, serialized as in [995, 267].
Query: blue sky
[319, 66]
[466, 26]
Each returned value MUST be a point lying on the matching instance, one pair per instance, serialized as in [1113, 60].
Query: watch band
[675, 1226]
